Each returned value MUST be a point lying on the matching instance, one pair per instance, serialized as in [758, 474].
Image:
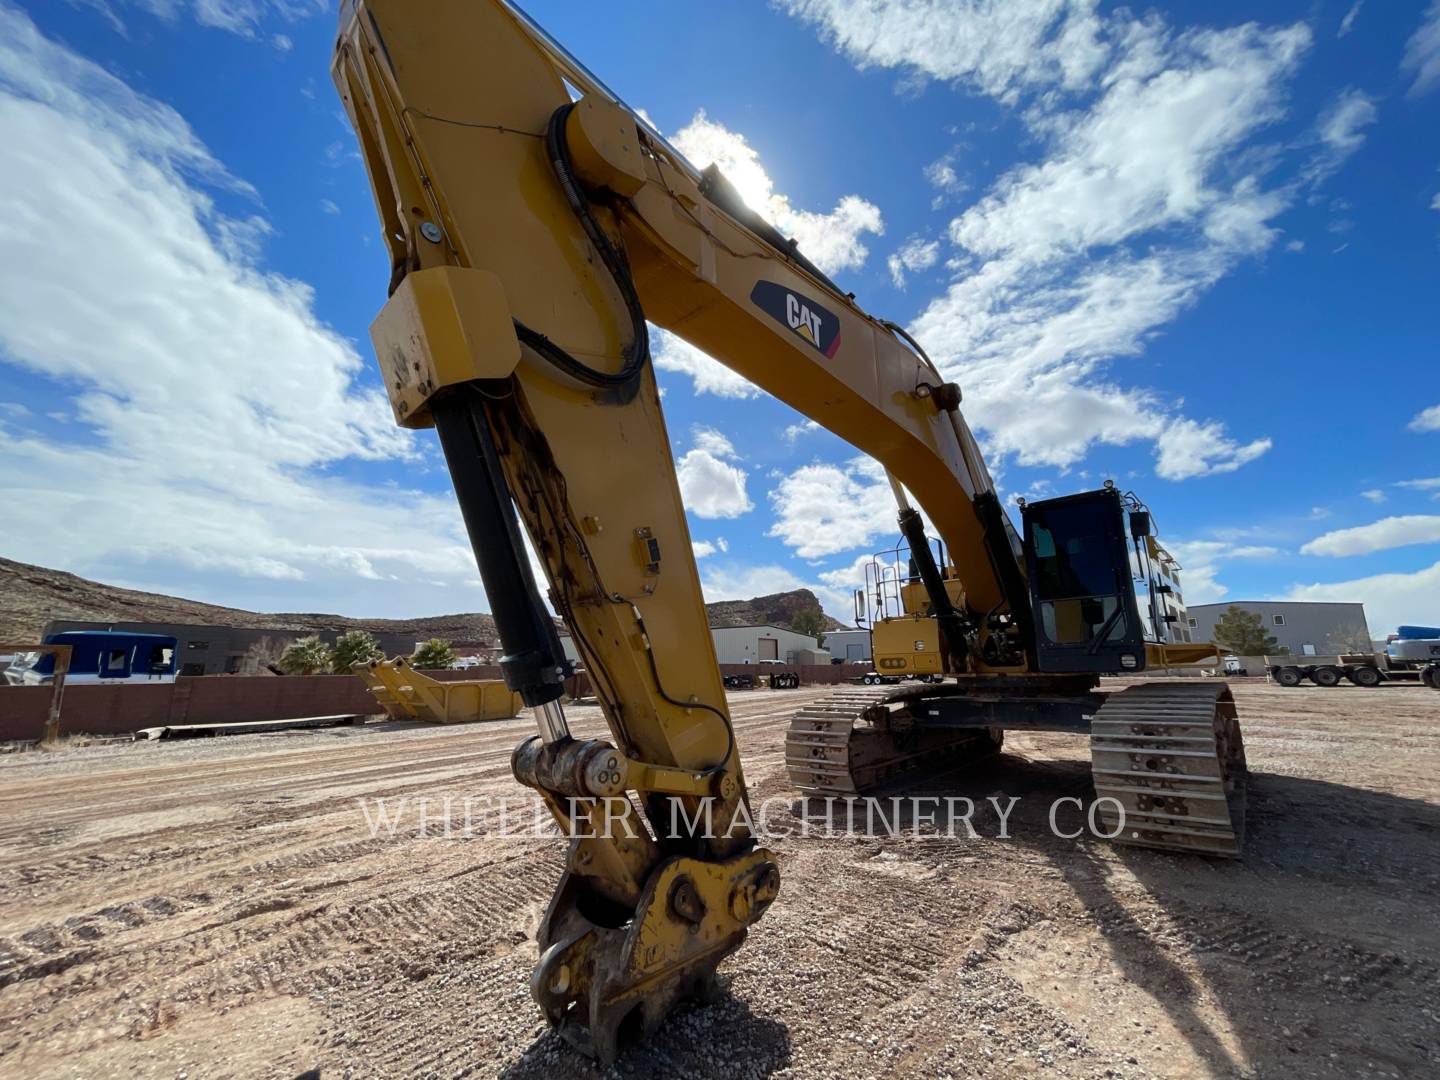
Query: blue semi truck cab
[100, 656]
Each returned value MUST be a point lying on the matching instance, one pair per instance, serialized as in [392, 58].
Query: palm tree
[305, 656]
[433, 654]
[354, 647]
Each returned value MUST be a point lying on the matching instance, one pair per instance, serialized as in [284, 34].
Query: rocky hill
[30, 596]
[777, 609]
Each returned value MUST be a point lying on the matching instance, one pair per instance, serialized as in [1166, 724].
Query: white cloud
[845, 580]
[794, 431]
[1422, 52]
[1429, 483]
[999, 47]
[1145, 155]
[942, 174]
[1190, 449]
[1391, 532]
[850, 577]
[823, 509]
[673, 353]
[206, 428]
[733, 581]
[242, 17]
[106, 11]
[282, 43]
[712, 442]
[703, 548]
[329, 206]
[1340, 132]
[1148, 193]
[710, 485]
[1202, 562]
[1349, 20]
[832, 241]
[1427, 419]
[744, 582]
[915, 254]
[1390, 599]
[1375, 495]
[1340, 126]
[1435, 202]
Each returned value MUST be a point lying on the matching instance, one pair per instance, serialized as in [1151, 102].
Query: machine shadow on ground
[1235, 979]
[720, 1038]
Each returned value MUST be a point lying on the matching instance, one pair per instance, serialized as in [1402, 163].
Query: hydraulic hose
[637, 353]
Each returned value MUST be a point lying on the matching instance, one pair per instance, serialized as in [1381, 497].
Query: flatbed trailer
[1362, 669]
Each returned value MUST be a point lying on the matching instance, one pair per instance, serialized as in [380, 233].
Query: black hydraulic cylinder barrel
[534, 664]
[923, 560]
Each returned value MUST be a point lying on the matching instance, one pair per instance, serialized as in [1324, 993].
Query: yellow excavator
[534, 223]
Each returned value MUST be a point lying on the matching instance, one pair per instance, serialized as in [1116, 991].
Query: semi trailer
[1412, 655]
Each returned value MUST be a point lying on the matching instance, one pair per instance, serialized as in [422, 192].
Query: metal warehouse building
[752, 644]
[849, 645]
[1306, 629]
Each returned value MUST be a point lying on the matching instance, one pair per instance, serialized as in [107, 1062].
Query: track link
[850, 744]
[1171, 754]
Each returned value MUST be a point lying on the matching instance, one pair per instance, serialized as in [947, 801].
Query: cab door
[1081, 586]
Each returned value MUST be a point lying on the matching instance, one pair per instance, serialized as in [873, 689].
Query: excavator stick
[513, 327]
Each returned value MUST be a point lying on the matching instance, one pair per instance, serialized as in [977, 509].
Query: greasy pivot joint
[592, 768]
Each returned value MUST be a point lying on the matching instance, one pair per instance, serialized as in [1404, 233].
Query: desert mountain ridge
[31, 596]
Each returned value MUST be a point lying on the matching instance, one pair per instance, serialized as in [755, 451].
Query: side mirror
[1140, 524]
[859, 606]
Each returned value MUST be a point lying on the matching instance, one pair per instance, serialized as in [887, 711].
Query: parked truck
[1412, 654]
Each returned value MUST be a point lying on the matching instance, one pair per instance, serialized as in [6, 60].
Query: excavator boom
[534, 225]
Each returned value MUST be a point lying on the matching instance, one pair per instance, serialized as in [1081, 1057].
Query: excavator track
[849, 744]
[1171, 754]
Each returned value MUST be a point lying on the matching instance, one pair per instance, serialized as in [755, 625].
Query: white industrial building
[754, 644]
[1306, 628]
[852, 646]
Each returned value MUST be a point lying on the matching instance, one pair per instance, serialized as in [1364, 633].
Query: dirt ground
[221, 908]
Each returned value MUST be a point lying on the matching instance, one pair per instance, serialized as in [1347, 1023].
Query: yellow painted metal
[692, 914]
[605, 145]
[443, 326]
[451, 100]
[907, 645]
[916, 600]
[1181, 654]
[407, 694]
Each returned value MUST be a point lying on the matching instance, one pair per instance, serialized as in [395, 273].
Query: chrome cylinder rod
[550, 718]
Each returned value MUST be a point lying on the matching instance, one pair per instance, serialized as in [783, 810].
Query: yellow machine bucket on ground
[407, 694]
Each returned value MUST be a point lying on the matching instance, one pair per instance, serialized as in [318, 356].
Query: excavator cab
[1082, 588]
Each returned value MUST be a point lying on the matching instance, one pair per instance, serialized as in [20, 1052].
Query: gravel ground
[220, 908]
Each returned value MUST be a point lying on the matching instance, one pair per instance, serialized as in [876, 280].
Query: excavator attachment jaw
[602, 985]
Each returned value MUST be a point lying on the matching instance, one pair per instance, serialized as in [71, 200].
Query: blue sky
[1193, 247]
